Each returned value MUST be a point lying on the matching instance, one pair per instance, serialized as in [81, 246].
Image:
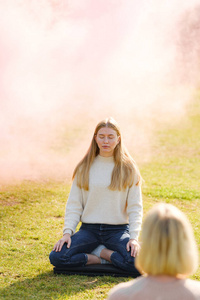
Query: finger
[132, 250]
[128, 247]
[60, 246]
[136, 251]
[69, 243]
[55, 247]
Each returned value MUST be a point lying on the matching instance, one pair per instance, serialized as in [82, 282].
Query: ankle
[93, 259]
[106, 254]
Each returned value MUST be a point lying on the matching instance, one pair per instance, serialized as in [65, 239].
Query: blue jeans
[113, 237]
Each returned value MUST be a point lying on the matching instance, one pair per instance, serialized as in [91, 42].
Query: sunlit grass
[32, 217]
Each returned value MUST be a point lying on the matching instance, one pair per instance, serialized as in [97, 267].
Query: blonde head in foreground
[168, 244]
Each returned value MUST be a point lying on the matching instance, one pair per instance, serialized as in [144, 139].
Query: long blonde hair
[125, 171]
[168, 244]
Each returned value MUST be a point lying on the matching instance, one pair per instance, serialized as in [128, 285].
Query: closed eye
[109, 137]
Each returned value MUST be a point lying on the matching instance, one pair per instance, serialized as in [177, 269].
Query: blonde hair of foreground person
[168, 244]
[168, 252]
[125, 167]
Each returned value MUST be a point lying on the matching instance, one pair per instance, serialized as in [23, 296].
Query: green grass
[32, 217]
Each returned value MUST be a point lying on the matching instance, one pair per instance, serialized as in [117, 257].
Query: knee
[130, 260]
[55, 258]
[52, 257]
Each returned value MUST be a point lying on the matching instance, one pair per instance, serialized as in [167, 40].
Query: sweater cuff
[134, 236]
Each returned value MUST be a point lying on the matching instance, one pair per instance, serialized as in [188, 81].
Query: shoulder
[123, 291]
[119, 292]
[193, 286]
[74, 186]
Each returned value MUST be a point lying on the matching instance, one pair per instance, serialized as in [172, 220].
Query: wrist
[67, 231]
[66, 234]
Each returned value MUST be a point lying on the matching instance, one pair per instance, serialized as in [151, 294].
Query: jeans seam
[72, 248]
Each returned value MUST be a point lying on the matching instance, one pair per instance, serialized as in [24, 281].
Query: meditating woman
[168, 255]
[106, 197]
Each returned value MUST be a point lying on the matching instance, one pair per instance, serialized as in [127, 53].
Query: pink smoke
[66, 65]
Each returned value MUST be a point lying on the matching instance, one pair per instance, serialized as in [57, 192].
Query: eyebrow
[111, 134]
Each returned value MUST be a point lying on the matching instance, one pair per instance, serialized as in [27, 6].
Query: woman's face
[106, 139]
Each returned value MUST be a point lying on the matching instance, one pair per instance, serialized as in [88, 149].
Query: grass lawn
[32, 217]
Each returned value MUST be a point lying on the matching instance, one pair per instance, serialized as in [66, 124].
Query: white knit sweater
[100, 204]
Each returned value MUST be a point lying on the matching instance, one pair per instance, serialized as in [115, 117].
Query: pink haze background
[65, 65]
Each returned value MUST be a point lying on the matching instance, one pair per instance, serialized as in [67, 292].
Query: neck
[165, 278]
[105, 158]
[104, 154]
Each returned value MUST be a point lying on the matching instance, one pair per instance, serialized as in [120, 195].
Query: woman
[106, 197]
[168, 255]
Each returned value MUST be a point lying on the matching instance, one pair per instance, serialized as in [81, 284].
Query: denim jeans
[113, 237]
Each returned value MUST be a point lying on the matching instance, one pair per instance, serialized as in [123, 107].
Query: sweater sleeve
[135, 210]
[74, 209]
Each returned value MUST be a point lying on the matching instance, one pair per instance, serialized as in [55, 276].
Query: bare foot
[93, 259]
[106, 254]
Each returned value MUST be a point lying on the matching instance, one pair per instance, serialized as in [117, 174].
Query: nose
[105, 140]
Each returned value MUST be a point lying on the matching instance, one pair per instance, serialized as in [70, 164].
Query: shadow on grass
[50, 286]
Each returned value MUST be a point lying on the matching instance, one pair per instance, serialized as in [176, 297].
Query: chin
[106, 151]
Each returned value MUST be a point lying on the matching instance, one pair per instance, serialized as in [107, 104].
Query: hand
[134, 246]
[65, 239]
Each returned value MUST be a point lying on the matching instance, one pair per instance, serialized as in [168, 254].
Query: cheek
[98, 141]
[114, 143]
